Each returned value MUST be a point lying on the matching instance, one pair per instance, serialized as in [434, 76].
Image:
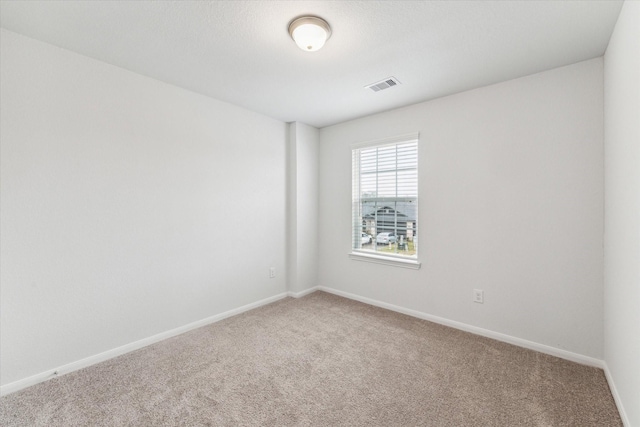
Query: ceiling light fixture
[309, 32]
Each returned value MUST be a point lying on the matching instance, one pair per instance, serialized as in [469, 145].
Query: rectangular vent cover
[383, 84]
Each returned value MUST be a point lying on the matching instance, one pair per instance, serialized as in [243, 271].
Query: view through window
[385, 198]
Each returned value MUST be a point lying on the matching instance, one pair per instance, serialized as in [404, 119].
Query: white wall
[128, 207]
[622, 210]
[302, 221]
[511, 202]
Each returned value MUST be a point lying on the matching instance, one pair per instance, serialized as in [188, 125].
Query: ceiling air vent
[383, 84]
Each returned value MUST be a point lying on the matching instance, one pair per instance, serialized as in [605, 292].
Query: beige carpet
[321, 360]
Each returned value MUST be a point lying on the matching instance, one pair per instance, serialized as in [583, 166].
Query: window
[385, 200]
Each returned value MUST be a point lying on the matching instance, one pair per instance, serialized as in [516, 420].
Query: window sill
[385, 260]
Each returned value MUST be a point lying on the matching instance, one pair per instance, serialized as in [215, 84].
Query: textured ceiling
[240, 51]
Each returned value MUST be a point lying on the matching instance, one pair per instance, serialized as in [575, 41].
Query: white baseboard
[109, 354]
[302, 293]
[563, 354]
[616, 396]
[101, 357]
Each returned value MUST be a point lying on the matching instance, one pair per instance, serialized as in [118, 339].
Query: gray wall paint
[622, 210]
[511, 202]
[129, 207]
[302, 221]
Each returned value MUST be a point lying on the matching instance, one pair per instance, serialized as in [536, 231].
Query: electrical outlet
[272, 272]
[478, 296]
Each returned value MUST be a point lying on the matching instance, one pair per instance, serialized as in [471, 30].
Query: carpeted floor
[321, 360]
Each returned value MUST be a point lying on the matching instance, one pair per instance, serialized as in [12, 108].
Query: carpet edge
[616, 396]
[127, 348]
[520, 342]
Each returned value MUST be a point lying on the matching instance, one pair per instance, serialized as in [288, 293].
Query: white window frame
[358, 254]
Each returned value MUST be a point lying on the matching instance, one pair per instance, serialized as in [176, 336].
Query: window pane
[385, 190]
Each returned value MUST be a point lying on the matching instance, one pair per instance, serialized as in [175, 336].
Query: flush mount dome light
[309, 32]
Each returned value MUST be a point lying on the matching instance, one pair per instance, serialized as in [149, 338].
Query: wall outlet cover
[478, 296]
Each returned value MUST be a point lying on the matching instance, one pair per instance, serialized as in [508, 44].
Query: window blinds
[385, 195]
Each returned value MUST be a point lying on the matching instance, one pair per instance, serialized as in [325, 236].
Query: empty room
[320, 213]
